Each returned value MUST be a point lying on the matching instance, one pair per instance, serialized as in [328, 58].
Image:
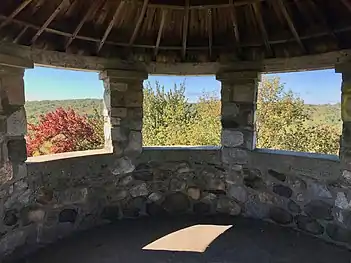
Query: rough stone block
[73, 196]
[319, 210]
[17, 123]
[135, 144]
[239, 193]
[122, 166]
[6, 173]
[139, 190]
[176, 203]
[230, 110]
[280, 216]
[119, 112]
[346, 106]
[118, 134]
[127, 99]
[244, 93]
[235, 156]
[227, 206]
[14, 88]
[194, 193]
[17, 150]
[232, 138]
[309, 225]
[118, 86]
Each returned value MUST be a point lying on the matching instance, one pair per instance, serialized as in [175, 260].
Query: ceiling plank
[91, 11]
[160, 31]
[185, 28]
[18, 37]
[347, 3]
[291, 24]
[257, 11]
[234, 21]
[139, 22]
[210, 31]
[111, 24]
[324, 19]
[15, 13]
[49, 20]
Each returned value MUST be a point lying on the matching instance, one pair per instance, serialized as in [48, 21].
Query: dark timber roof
[179, 30]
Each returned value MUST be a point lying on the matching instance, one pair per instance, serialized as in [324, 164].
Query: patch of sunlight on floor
[195, 238]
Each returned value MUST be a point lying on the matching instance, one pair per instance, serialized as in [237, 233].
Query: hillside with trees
[283, 121]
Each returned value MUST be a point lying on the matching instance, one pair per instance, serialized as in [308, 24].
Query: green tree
[283, 122]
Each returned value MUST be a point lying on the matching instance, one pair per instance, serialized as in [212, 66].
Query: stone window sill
[329, 157]
[67, 155]
[181, 148]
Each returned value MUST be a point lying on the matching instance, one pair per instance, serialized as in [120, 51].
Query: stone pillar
[345, 140]
[123, 101]
[238, 96]
[13, 123]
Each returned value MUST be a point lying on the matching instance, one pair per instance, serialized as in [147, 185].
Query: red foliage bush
[64, 131]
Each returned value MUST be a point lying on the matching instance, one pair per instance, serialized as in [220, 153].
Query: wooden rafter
[139, 22]
[92, 10]
[185, 28]
[160, 31]
[347, 3]
[124, 44]
[260, 23]
[324, 19]
[111, 24]
[290, 24]
[18, 37]
[15, 13]
[234, 22]
[210, 31]
[49, 20]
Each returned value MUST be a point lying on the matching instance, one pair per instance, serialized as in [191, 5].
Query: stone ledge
[182, 148]
[67, 155]
[329, 157]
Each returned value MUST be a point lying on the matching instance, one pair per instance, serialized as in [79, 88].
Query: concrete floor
[235, 240]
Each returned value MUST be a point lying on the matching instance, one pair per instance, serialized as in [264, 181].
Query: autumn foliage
[64, 131]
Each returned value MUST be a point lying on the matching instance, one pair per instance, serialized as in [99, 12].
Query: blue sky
[314, 87]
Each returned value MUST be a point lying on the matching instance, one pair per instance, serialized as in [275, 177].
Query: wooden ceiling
[179, 30]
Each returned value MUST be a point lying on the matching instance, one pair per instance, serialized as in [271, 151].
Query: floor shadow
[247, 241]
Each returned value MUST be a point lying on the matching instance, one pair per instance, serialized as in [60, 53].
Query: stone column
[238, 96]
[345, 140]
[123, 101]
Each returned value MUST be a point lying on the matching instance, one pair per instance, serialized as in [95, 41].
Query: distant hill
[325, 113]
[328, 113]
[82, 106]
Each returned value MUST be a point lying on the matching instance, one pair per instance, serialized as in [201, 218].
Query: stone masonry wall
[67, 195]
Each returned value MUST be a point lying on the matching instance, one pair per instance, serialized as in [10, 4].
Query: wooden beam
[91, 11]
[211, 6]
[160, 31]
[93, 63]
[291, 24]
[347, 3]
[185, 28]
[112, 22]
[48, 21]
[123, 44]
[17, 39]
[139, 22]
[234, 21]
[15, 13]
[256, 9]
[209, 27]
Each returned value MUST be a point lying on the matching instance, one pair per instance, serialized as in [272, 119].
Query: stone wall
[66, 195]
